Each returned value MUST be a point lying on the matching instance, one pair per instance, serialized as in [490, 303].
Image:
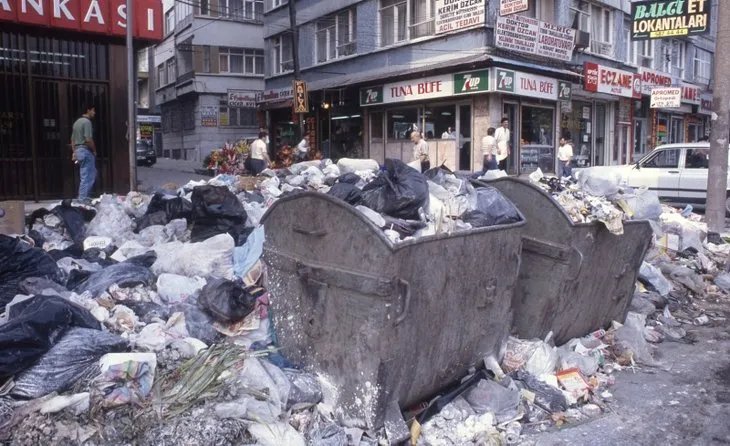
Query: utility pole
[131, 107]
[720, 135]
[295, 53]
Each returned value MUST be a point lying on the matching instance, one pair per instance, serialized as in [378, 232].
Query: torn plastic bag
[599, 181]
[173, 288]
[263, 376]
[227, 301]
[33, 326]
[75, 356]
[211, 258]
[74, 219]
[652, 276]
[128, 274]
[349, 165]
[404, 228]
[684, 276]
[493, 206]
[305, 391]
[19, 261]
[645, 204]
[216, 210]
[630, 339]
[722, 280]
[443, 177]
[349, 178]
[547, 397]
[399, 191]
[111, 221]
[349, 193]
[246, 256]
[198, 322]
[170, 207]
[488, 396]
[328, 435]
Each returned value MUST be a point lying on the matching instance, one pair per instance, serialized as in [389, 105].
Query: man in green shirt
[84, 151]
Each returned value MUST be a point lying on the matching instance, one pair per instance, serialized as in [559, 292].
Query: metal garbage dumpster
[384, 322]
[575, 277]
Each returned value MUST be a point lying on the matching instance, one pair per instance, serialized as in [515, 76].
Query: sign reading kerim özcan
[658, 19]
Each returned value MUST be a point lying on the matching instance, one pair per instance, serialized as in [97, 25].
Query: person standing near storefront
[502, 136]
[83, 150]
[420, 150]
[489, 151]
[565, 156]
[259, 159]
[303, 149]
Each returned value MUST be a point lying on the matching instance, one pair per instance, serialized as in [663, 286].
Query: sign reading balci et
[657, 19]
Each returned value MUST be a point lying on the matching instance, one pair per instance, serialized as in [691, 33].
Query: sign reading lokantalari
[658, 19]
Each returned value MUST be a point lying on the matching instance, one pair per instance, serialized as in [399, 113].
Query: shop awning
[533, 66]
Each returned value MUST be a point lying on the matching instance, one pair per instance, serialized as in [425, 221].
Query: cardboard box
[12, 217]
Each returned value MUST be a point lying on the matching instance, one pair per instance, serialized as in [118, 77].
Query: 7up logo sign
[371, 96]
[472, 82]
[505, 81]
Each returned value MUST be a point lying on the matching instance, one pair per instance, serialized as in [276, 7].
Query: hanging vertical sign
[301, 102]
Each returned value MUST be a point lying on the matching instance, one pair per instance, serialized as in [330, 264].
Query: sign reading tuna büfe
[658, 19]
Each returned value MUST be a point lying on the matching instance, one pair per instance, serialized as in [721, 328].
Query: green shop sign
[371, 95]
[471, 82]
[668, 18]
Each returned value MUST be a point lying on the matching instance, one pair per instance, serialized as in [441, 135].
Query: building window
[236, 117]
[702, 66]
[206, 59]
[242, 9]
[644, 53]
[241, 61]
[598, 22]
[204, 7]
[281, 54]
[171, 70]
[673, 59]
[170, 21]
[336, 36]
[401, 20]
[271, 4]
[161, 75]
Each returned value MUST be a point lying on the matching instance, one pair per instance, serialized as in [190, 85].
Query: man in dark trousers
[84, 151]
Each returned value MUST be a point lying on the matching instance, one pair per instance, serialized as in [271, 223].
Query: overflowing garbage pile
[144, 320]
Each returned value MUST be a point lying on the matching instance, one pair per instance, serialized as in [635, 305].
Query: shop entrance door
[622, 154]
[511, 112]
[463, 123]
[677, 131]
[52, 128]
[640, 126]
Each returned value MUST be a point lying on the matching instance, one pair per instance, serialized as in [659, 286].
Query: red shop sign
[93, 16]
[600, 79]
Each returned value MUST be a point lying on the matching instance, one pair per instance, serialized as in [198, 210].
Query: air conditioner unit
[582, 40]
[646, 62]
[601, 48]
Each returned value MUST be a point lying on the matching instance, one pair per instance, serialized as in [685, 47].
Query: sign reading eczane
[657, 19]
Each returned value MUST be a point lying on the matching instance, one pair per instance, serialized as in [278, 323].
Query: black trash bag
[330, 181]
[328, 435]
[19, 261]
[75, 251]
[217, 211]
[74, 357]
[102, 257]
[31, 286]
[76, 277]
[305, 391]
[346, 192]
[163, 209]
[228, 301]
[128, 274]
[399, 191]
[349, 178]
[34, 326]
[254, 197]
[148, 311]
[405, 228]
[494, 208]
[37, 238]
[547, 397]
[74, 219]
[198, 322]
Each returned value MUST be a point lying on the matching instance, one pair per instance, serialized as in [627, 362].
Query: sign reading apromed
[601, 79]
[666, 98]
[93, 16]
[458, 15]
[532, 85]
[532, 36]
[651, 79]
[242, 98]
[655, 19]
[507, 7]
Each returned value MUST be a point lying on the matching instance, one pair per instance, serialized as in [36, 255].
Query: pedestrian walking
[83, 149]
[259, 158]
[420, 150]
[302, 149]
[489, 151]
[565, 156]
[502, 136]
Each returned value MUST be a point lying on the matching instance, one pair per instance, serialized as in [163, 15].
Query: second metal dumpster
[575, 277]
[384, 323]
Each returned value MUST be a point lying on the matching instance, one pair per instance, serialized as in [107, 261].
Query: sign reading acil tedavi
[458, 15]
[657, 19]
[601, 79]
[93, 16]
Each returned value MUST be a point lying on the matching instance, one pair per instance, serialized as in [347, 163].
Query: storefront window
[662, 129]
[537, 139]
[577, 128]
[346, 137]
[401, 123]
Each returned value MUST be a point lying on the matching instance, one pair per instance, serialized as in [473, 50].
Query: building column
[481, 122]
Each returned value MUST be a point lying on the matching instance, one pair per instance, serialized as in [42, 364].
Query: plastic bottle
[687, 211]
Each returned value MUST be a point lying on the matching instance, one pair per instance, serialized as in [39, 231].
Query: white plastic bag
[174, 288]
[210, 258]
[111, 221]
[349, 165]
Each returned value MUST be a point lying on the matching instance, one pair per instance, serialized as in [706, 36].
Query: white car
[677, 172]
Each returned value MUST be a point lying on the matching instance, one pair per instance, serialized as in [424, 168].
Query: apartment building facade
[379, 69]
[208, 72]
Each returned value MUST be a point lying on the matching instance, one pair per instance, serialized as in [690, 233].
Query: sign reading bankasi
[457, 15]
[532, 36]
[657, 19]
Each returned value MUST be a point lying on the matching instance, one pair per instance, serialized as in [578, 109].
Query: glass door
[463, 120]
[676, 131]
[511, 112]
[622, 152]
